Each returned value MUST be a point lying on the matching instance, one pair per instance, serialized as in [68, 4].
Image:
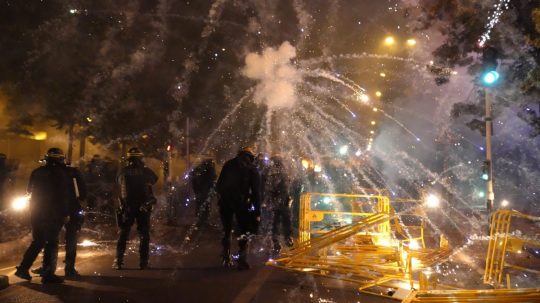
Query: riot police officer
[202, 182]
[136, 201]
[239, 190]
[48, 187]
[76, 194]
[277, 195]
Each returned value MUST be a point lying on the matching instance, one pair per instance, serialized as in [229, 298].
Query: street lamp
[411, 42]
[432, 201]
[389, 41]
[343, 150]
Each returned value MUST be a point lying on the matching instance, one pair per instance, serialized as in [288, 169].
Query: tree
[516, 36]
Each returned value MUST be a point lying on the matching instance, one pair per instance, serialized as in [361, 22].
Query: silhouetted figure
[239, 190]
[136, 201]
[203, 178]
[49, 205]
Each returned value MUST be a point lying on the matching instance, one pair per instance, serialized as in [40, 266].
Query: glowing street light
[411, 42]
[20, 203]
[505, 203]
[378, 94]
[373, 122]
[362, 98]
[382, 75]
[389, 41]
[432, 201]
[343, 150]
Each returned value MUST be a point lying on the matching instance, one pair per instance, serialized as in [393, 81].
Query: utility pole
[489, 125]
[489, 78]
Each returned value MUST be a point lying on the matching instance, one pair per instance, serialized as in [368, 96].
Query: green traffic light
[490, 77]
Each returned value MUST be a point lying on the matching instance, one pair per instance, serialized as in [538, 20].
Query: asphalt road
[181, 271]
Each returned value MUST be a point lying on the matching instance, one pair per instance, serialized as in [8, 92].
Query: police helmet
[134, 152]
[55, 154]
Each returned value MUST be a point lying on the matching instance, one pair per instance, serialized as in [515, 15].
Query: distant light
[88, 119]
[485, 176]
[432, 201]
[370, 139]
[368, 147]
[481, 194]
[305, 163]
[490, 77]
[378, 94]
[375, 109]
[389, 40]
[317, 168]
[505, 203]
[40, 136]
[373, 122]
[362, 97]
[73, 11]
[343, 150]
[411, 42]
[145, 136]
[20, 203]
[382, 75]
[418, 139]
[327, 200]
[372, 132]
[169, 148]
[87, 243]
[358, 153]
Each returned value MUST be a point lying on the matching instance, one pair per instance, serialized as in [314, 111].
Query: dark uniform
[202, 181]
[77, 193]
[277, 197]
[48, 210]
[239, 189]
[136, 199]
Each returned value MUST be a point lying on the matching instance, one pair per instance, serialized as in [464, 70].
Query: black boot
[38, 271]
[117, 264]
[72, 273]
[23, 273]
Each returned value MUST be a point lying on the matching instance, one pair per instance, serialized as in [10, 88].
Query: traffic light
[490, 63]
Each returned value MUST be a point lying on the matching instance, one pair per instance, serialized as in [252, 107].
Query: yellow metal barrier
[367, 252]
[309, 215]
[500, 242]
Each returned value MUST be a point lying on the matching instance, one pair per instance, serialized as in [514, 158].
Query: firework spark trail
[305, 21]
[339, 124]
[493, 20]
[327, 75]
[191, 64]
[431, 130]
[400, 124]
[324, 91]
[225, 119]
[404, 155]
[314, 153]
[338, 128]
[364, 55]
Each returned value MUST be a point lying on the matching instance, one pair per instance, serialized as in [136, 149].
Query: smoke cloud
[276, 74]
